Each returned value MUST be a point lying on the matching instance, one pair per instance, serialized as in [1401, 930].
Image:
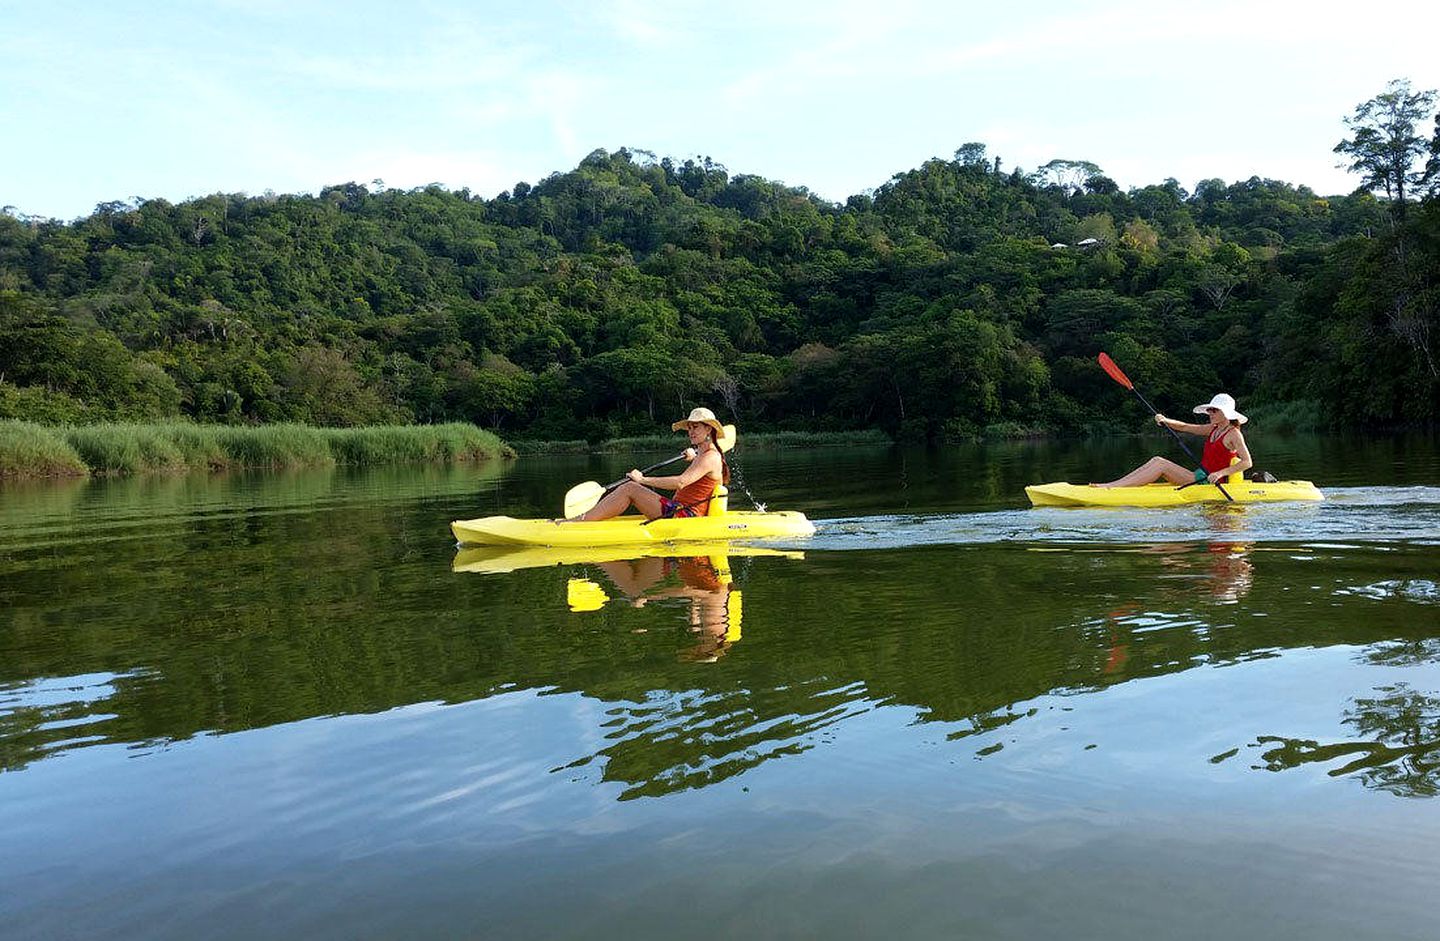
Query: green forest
[959, 298]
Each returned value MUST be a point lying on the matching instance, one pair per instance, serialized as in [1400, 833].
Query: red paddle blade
[1108, 364]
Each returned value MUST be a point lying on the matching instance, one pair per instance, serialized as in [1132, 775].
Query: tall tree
[1432, 166]
[1386, 143]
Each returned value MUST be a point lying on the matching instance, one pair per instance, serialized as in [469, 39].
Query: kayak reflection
[703, 578]
[498, 560]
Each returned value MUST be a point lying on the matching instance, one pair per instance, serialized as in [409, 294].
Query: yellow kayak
[1244, 491]
[494, 560]
[630, 530]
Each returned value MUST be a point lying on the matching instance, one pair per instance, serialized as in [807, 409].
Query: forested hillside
[959, 296]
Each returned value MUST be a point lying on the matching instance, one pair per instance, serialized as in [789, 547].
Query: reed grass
[398, 444]
[575, 446]
[115, 448]
[32, 450]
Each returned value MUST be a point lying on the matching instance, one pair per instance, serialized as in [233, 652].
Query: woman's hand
[636, 476]
[689, 454]
[1160, 419]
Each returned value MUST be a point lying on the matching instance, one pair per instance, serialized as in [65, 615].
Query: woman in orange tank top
[1224, 443]
[693, 486]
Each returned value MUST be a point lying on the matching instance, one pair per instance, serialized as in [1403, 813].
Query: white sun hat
[1226, 404]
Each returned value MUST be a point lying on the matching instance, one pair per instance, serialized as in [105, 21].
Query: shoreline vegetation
[30, 450]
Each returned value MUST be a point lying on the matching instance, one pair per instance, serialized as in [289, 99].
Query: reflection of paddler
[696, 571]
[1118, 653]
[1231, 573]
[705, 581]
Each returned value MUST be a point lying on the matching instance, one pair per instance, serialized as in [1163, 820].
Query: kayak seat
[719, 501]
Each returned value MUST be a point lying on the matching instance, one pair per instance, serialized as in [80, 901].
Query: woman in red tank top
[693, 486]
[1225, 453]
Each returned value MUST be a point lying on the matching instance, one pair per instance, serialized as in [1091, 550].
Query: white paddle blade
[582, 497]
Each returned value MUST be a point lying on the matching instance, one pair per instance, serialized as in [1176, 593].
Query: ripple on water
[1354, 514]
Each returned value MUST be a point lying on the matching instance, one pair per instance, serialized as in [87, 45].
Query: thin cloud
[647, 25]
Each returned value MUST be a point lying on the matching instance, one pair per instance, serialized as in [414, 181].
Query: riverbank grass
[32, 450]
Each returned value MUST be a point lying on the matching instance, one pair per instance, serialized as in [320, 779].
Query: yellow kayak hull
[630, 530]
[1244, 491]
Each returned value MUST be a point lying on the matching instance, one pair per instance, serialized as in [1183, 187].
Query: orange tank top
[697, 496]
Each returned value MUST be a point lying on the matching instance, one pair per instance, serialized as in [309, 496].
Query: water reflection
[239, 603]
[679, 738]
[1222, 570]
[1398, 748]
[50, 715]
[703, 579]
[500, 560]
[704, 583]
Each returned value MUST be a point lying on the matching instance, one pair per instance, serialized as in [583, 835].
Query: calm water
[283, 706]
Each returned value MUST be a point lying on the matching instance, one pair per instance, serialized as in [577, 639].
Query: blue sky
[113, 100]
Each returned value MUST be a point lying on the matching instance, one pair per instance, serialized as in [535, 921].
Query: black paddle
[1116, 373]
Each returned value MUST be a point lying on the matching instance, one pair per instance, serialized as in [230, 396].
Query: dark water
[282, 706]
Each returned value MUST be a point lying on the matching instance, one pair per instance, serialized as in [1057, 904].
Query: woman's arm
[1235, 441]
[698, 468]
[1181, 426]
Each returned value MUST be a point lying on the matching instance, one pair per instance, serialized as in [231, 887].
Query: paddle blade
[1115, 372]
[582, 497]
[726, 441]
[733, 612]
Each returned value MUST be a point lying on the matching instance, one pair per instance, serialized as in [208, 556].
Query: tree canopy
[956, 296]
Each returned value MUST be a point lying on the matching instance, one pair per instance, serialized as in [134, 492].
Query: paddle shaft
[678, 457]
[1173, 432]
[1154, 411]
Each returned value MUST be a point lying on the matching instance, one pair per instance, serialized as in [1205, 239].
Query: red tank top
[1216, 456]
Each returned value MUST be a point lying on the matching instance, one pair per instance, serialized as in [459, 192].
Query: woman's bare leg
[1151, 471]
[621, 499]
[634, 577]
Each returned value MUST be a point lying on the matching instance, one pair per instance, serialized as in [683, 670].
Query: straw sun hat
[702, 415]
[1226, 404]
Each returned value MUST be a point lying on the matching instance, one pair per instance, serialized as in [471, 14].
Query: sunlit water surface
[283, 705]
